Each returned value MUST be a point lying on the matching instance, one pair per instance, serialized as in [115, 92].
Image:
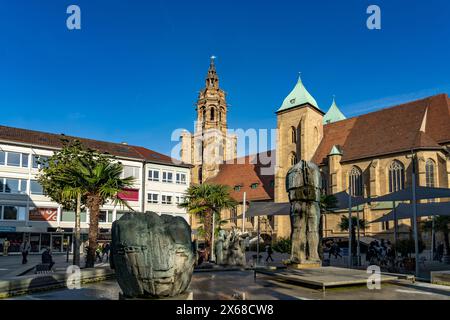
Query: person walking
[105, 251]
[47, 258]
[6, 245]
[440, 251]
[98, 252]
[269, 253]
[25, 249]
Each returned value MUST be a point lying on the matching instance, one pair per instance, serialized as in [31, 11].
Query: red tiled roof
[244, 172]
[51, 140]
[387, 131]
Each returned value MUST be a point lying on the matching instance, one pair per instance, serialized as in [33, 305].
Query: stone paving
[11, 265]
[225, 285]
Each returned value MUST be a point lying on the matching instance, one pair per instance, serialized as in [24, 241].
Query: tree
[343, 225]
[441, 224]
[206, 200]
[92, 177]
[51, 178]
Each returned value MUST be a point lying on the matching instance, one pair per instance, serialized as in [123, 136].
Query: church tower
[210, 145]
[299, 133]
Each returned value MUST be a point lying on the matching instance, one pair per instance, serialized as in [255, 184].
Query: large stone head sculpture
[152, 255]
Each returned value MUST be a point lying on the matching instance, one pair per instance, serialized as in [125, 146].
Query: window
[13, 159]
[396, 176]
[153, 175]
[293, 135]
[356, 182]
[272, 183]
[212, 114]
[153, 197]
[10, 185]
[129, 171]
[2, 157]
[179, 199]
[36, 188]
[166, 199]
[254, 185]
[237, 188]
[292, 159]
[13, 213]
[429, 173]
[39, 161]
[105, 216]
[233, 215]
[167, 176]
[181, 178]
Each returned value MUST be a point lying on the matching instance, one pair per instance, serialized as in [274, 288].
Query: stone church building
[367, 155]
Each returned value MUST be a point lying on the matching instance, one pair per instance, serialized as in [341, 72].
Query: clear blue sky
[133, 71]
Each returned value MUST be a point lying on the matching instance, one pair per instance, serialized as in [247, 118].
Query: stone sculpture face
[152, 255]
[303, 184]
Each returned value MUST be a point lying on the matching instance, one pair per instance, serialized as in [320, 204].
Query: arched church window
[356, 182]
[292, 158]
[293, 135]
[429, 173]
[204, 114]
[212, 114]
[396, 176]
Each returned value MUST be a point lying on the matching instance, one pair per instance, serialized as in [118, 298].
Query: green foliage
[343, 225]
[282, 245]
[327, 203]
[206, 201]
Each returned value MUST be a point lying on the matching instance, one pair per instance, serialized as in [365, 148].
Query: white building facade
[26, 213]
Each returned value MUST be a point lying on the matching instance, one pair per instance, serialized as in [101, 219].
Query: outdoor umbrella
[403, 211]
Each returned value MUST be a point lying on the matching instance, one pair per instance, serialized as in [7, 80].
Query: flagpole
[414, 203]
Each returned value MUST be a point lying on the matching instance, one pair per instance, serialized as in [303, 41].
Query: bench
[43, 268]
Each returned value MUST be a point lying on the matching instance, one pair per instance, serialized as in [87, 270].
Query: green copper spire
[298, 96]
[333, 114]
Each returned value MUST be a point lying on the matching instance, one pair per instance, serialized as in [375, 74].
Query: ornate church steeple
[211, 144]
[212, 80]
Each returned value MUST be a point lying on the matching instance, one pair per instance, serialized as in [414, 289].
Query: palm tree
[99, 180]
[441, 224]
[207, 200]
[343, 225]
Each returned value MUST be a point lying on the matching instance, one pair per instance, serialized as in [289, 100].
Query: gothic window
[356, 182]
[293, 135]
[396, 176]
[212, 114]
[220, 115]
[292, 158]
[233, 214]
[203, 114]
[429, 173]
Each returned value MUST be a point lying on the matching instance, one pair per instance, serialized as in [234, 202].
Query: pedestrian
[6, 245]
[98, 252]
[269, 253]
[25, 249]
[47, 258]
[105, 251]
[440, 251]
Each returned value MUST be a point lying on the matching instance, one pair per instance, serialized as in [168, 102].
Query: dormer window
[237, 188]
[292, 101]
[254, 185]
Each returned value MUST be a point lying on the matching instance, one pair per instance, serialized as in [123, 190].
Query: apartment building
[26, 213]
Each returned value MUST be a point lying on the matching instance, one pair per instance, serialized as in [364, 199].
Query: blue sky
[133, 71]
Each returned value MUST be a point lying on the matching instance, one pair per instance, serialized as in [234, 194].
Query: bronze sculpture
[152, 255]
[303, 184]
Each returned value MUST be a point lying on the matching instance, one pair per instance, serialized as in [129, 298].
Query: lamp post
[244, 204]
[414, 206]
[350, 257]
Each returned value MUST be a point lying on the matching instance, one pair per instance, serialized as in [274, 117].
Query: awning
[406, 194]
[342, 200]
[404, 211]
[265, 208]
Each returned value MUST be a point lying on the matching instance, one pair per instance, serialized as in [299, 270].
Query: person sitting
[47, 258]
